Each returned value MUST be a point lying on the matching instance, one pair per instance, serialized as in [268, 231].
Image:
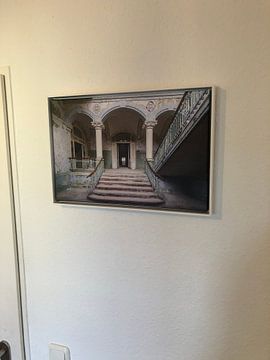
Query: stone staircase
[125, 186]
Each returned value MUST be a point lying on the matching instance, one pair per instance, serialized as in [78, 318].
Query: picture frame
[147, 150]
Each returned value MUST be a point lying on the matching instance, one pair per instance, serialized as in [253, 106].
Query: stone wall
[62, 145]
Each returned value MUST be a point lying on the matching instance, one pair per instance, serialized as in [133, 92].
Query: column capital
[98, 124]
[150, 123]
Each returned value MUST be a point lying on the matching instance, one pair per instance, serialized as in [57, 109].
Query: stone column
[98, 127]
[149, 126]
[133, 155]
[114, 155]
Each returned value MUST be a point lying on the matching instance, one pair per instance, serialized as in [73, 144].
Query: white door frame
[128, 159]
[132, 154]
[6, 103]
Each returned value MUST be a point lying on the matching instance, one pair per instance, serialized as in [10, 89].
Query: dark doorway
[78, 150]
[78, 154]
[123, 155]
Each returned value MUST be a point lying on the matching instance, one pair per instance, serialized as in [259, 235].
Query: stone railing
[93, 178]
[193, 105]
[153, 177]
[82, 164]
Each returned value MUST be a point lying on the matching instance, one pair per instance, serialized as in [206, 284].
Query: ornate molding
[98, 109]
[150, 106]
[98, 125]
[150, 124]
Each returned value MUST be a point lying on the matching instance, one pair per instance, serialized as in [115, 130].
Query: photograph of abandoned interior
[143, 150]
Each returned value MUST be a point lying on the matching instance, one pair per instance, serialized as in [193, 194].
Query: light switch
[58, 352]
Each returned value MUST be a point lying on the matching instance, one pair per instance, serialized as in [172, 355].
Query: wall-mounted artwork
[144, 150]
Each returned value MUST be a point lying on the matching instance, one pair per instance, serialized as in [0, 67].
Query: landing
[124, 170]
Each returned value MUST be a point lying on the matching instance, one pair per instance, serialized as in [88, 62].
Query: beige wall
[114, 284]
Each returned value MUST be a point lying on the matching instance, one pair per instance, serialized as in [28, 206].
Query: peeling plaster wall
[62, 145]
[114, 284]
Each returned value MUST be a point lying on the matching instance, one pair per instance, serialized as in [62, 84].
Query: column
[98, 127]
[114, 155]
[133, 155]
[149, 126]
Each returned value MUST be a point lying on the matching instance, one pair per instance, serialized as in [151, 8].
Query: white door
[10, 303]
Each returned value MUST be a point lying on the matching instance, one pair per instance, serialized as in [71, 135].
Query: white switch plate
[59, 352]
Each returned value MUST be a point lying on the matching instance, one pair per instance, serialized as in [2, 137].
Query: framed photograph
[144, 150]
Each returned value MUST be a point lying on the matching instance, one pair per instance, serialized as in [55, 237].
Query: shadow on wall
[243, 314]
[214, 311]
[219, 140]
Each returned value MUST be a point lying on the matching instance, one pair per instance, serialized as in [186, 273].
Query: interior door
[10, 295]
[123, 155]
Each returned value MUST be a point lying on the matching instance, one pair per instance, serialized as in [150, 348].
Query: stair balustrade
[82, 164]
[153, 177]
[193, 105]
[95, 175]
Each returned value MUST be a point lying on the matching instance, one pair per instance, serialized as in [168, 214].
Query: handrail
[83, 158]
[95, 175]
[153, 170]
[174, 115]
[84, 163]
[192, 107]
[154, 178]
[95, 169]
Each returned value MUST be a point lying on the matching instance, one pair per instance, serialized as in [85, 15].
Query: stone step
[125, 200]
[139, 194]
[126, 187]
[130, 172]
[139, 178]
[124, 171]
[124, 182]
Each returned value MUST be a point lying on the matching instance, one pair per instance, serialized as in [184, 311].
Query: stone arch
[77, 111]
[165, 110]
[123, 124]
[164, 119]
[123, 119]
[138, 109]
[80, 119]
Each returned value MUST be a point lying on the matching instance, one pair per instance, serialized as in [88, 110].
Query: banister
[94, 171]
[192, 107]
[153, 170]
[95, 175]
[174, 115]
[154, 178]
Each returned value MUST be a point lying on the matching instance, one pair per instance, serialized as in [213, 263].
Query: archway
[124, 144]
[163, 122]
[82, 142]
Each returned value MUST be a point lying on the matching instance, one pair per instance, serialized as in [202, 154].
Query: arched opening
[123, 139]
[82, 142]
[163, 122]
[78, 144]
